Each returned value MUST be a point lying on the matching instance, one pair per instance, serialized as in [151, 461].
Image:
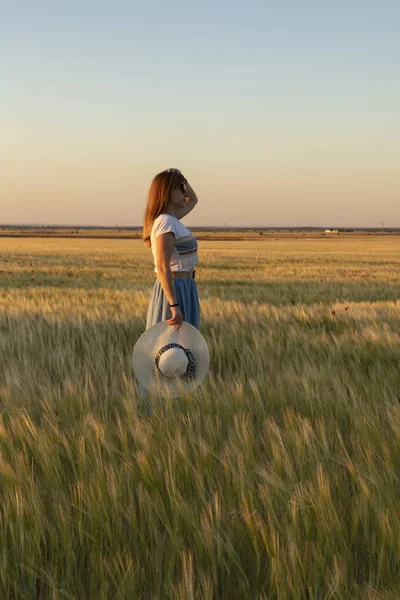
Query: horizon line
[2, 225]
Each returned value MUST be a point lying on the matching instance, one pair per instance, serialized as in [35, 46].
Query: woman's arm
[191, 202]
[167, 283]
[164, 247]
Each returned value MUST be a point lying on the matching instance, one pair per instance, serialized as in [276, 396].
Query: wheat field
[277, 479]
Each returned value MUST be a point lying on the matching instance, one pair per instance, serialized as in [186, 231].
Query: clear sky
[277, 113]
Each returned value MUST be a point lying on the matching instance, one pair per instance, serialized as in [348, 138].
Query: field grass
[277, 479]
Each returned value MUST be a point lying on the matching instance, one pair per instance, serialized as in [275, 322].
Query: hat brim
[147, 348]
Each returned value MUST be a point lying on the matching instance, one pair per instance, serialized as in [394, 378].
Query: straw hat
[170, 361]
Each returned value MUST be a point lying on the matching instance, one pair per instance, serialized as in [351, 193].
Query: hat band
[191, 368]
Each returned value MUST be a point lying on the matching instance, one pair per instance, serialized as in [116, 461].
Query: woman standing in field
[174, 296]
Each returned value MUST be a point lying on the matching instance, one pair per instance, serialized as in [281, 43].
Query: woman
[174, 296]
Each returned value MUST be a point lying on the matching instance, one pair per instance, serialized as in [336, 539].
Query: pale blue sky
[278, 114]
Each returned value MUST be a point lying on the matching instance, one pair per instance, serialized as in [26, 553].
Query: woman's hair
[158, 198]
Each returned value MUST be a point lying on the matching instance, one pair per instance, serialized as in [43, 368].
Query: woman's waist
[190, 274]
[183, 274]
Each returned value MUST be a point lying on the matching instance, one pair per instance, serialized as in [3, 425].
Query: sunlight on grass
[277, 478]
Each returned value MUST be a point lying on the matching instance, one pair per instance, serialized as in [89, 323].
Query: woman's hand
[190, 193]
[177, 317]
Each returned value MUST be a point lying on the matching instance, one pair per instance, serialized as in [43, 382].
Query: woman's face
[179, 196]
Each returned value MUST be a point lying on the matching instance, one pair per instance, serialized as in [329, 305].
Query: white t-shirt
[184, 253]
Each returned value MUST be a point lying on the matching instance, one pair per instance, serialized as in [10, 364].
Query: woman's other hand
[177, 317]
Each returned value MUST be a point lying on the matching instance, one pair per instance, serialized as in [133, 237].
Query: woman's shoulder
[164, 217]
[164, 222]
[160, 217]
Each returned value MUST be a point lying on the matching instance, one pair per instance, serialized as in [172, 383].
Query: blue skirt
[187, 298]
[159, 310]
